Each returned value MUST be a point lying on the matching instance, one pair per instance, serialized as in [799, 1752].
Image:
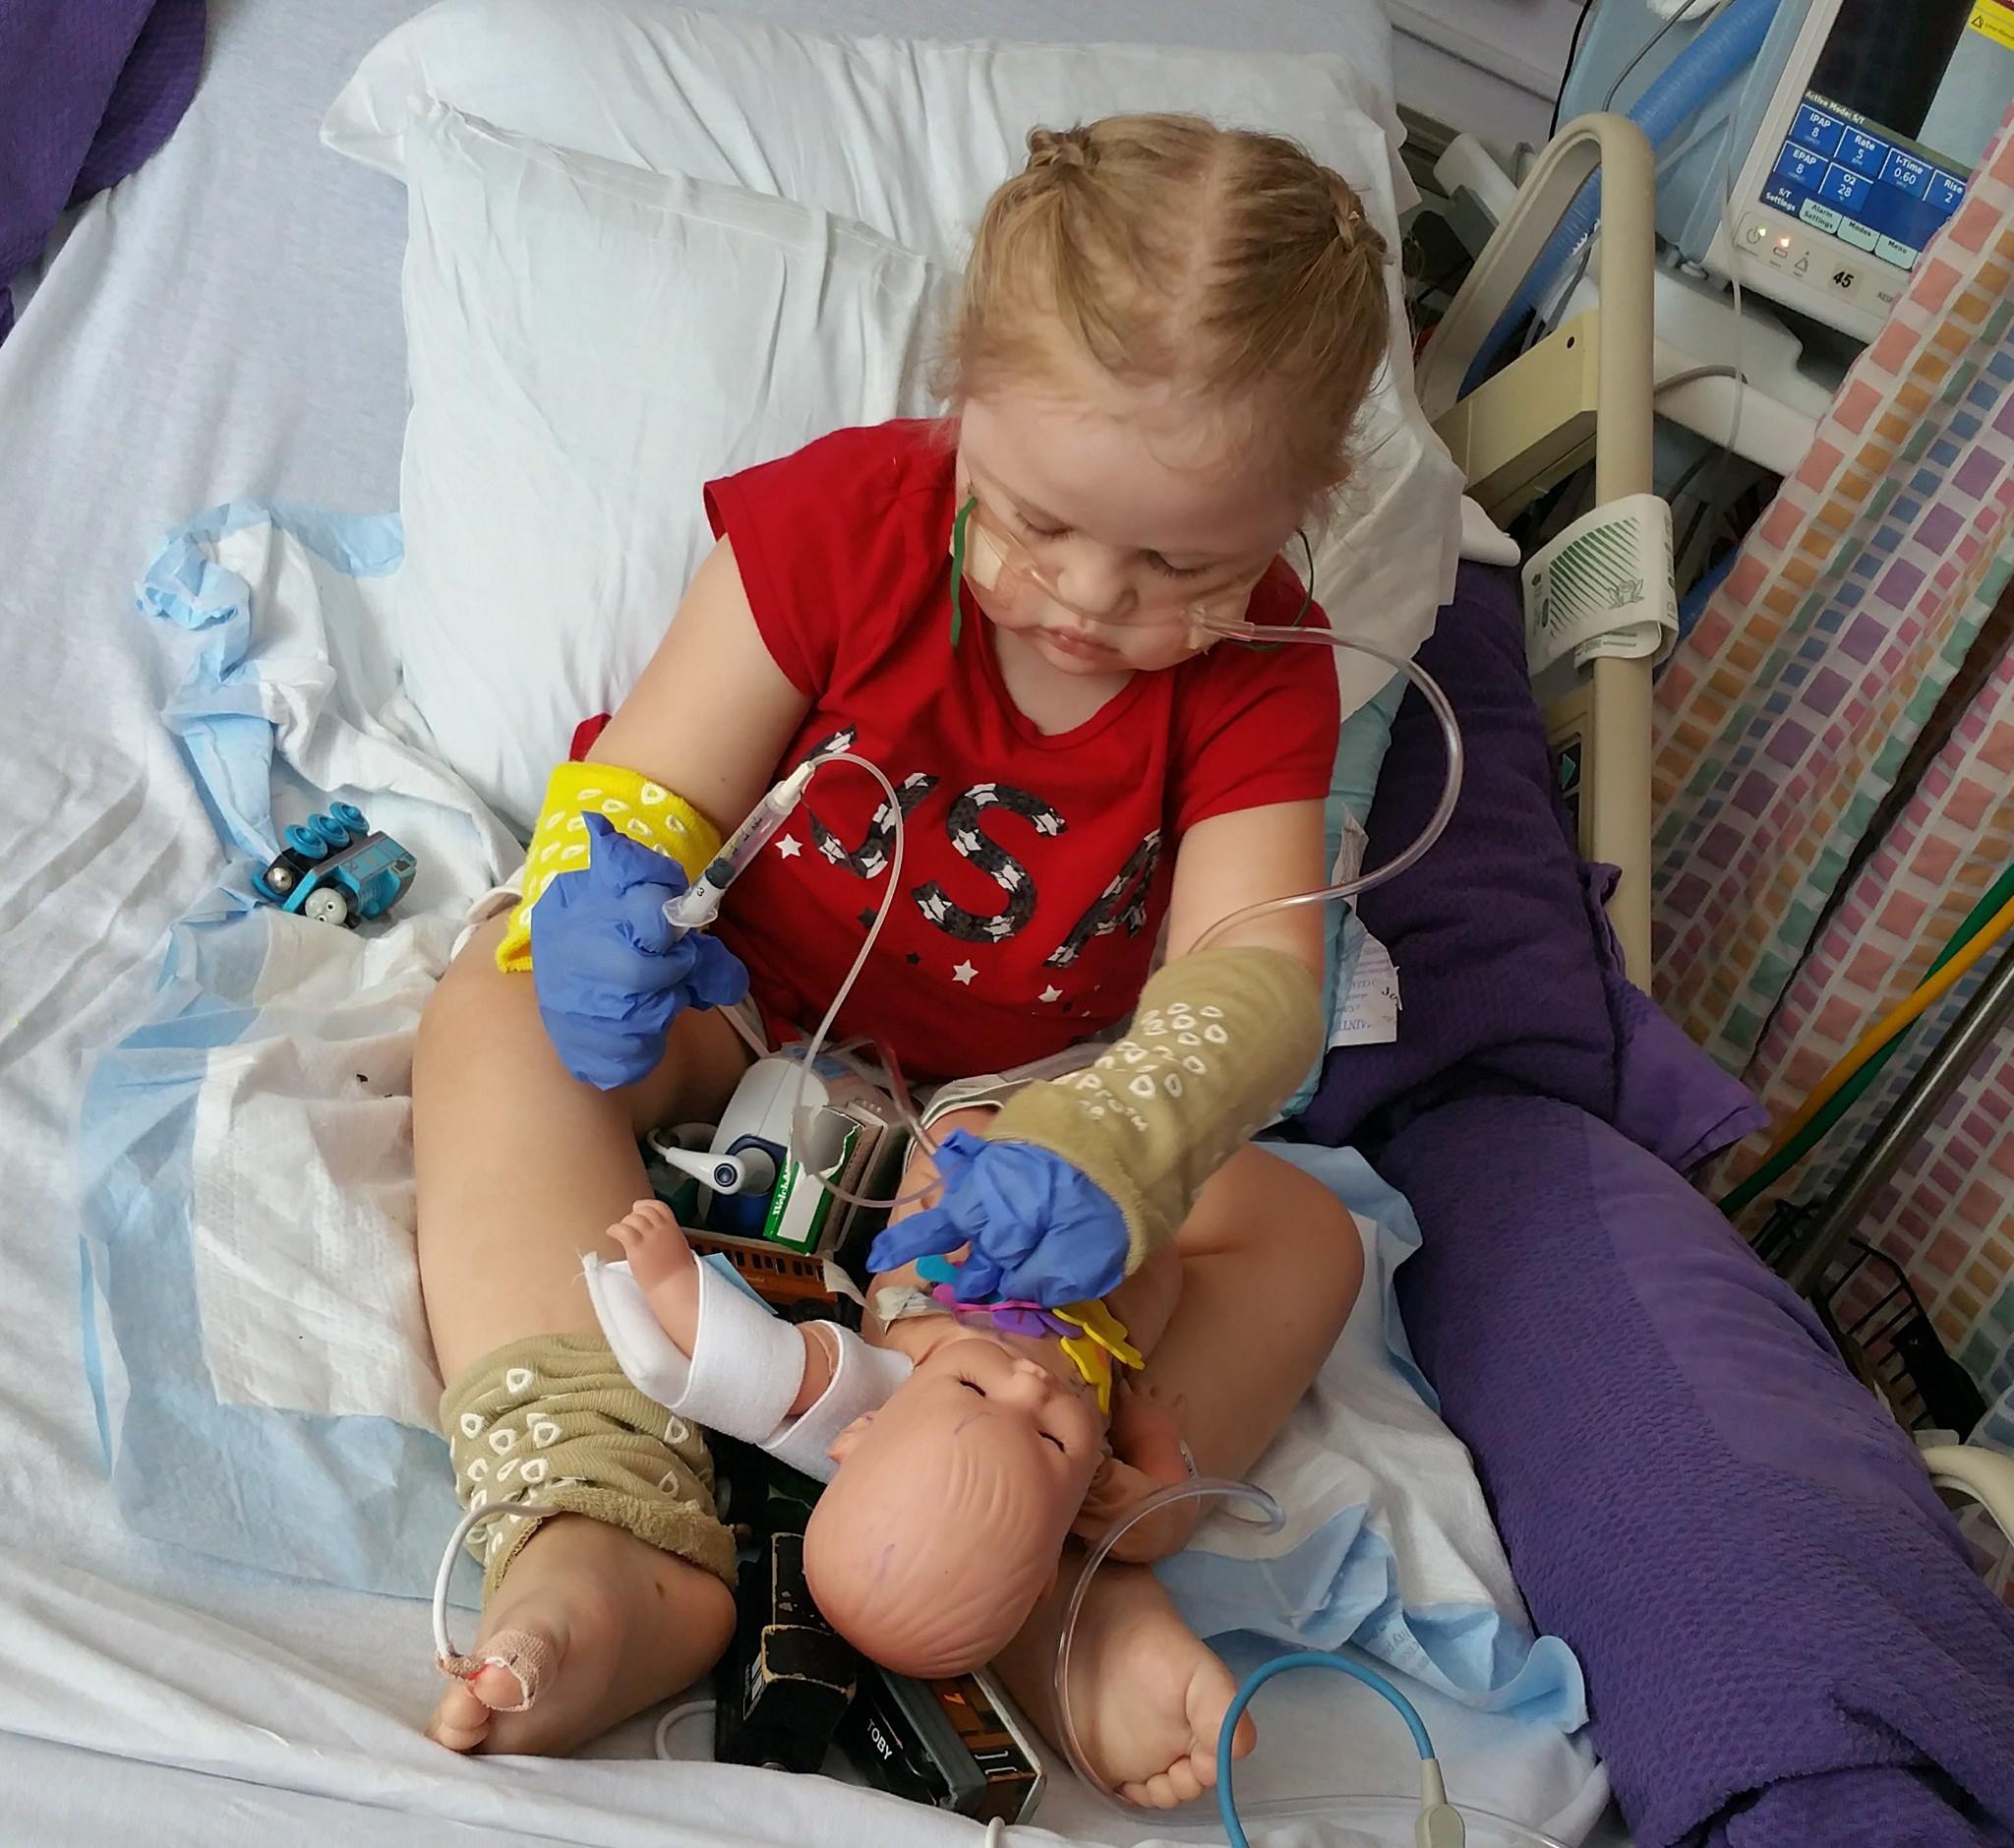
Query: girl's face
[1107, 517]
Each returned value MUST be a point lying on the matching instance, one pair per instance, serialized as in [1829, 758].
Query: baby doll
[961, 1450]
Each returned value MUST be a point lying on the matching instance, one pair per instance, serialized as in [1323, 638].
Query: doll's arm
[705, 1349]
[666, 1267]
[1147, 1454]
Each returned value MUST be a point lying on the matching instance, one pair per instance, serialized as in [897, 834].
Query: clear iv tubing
[1438, 1822]
[1264, 635]
[1437, 822]
[801, 1139]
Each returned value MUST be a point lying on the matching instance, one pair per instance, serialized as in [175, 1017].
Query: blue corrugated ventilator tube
[1717, 55]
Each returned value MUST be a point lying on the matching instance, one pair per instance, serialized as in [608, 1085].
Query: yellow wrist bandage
[644, 811]
[1219, 1042]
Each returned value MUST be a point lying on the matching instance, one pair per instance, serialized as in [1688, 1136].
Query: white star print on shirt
[1052, 993]
[789, 847]
[964, 973]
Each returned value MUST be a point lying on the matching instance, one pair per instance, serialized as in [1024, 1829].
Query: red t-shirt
[1035, 870]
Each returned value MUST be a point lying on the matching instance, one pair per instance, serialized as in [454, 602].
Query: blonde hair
[1229, 264]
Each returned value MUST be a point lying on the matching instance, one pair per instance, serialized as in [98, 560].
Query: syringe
[700, 903]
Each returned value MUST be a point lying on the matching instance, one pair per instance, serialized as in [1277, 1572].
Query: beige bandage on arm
[633, 805]
[1219, 1041]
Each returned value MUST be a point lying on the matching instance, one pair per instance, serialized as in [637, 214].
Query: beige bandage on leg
[551, 1422]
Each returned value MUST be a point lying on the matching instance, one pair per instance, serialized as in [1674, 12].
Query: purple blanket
[1785, 1644]
[93, 87]
[1495, 974]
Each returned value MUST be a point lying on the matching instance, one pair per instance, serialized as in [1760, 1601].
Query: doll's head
[947, 1516]
[1165, 336]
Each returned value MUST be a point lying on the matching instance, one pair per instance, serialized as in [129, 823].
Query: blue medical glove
[1040, 1230]
[610, 977]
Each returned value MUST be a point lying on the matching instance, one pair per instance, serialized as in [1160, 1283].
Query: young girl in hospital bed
[1165, 333]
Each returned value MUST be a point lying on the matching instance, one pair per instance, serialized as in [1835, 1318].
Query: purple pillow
[1497, 987]
[1785, 1643]
[1509, 975]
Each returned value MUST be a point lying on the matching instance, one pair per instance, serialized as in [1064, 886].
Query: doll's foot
[594, 1626]
[653, 1241]
[1148, 1698]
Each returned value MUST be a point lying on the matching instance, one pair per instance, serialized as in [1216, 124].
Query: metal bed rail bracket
[1531, 425]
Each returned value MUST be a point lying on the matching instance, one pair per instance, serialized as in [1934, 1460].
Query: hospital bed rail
[1583, 391]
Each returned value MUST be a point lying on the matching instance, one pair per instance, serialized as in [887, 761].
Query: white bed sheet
[227, 321]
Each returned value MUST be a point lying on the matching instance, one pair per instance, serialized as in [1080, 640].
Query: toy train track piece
[337, 869]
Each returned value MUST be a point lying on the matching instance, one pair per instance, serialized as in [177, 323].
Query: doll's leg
[1270, 1265]
[520, 1170]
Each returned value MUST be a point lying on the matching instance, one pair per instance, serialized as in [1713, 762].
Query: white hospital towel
[301, 1184]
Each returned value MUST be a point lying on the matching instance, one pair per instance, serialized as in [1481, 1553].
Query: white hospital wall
[1488, 65]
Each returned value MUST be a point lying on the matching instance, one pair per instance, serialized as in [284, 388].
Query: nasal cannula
[698, 905]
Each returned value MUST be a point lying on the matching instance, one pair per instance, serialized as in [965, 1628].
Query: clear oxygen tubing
[804, 1134]
[1434, 1822]
[1267, 1516]
[1437, 823]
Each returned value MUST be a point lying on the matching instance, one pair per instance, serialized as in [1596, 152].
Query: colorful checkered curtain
[1785, 923]
[1784, 717]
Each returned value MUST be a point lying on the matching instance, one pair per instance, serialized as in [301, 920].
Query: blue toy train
[335, 871]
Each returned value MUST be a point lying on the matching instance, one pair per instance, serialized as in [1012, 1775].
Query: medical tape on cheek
[746, 1367]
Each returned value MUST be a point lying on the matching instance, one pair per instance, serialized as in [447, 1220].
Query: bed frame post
[1518, 430]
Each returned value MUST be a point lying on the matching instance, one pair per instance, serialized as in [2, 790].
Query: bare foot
[1147, 1696]
[623, 1627]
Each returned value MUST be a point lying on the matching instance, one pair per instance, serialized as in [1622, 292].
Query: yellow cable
[1875, 1037]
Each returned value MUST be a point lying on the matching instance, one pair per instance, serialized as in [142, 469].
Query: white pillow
[590, 341]
[909, 138]
[906, 135]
